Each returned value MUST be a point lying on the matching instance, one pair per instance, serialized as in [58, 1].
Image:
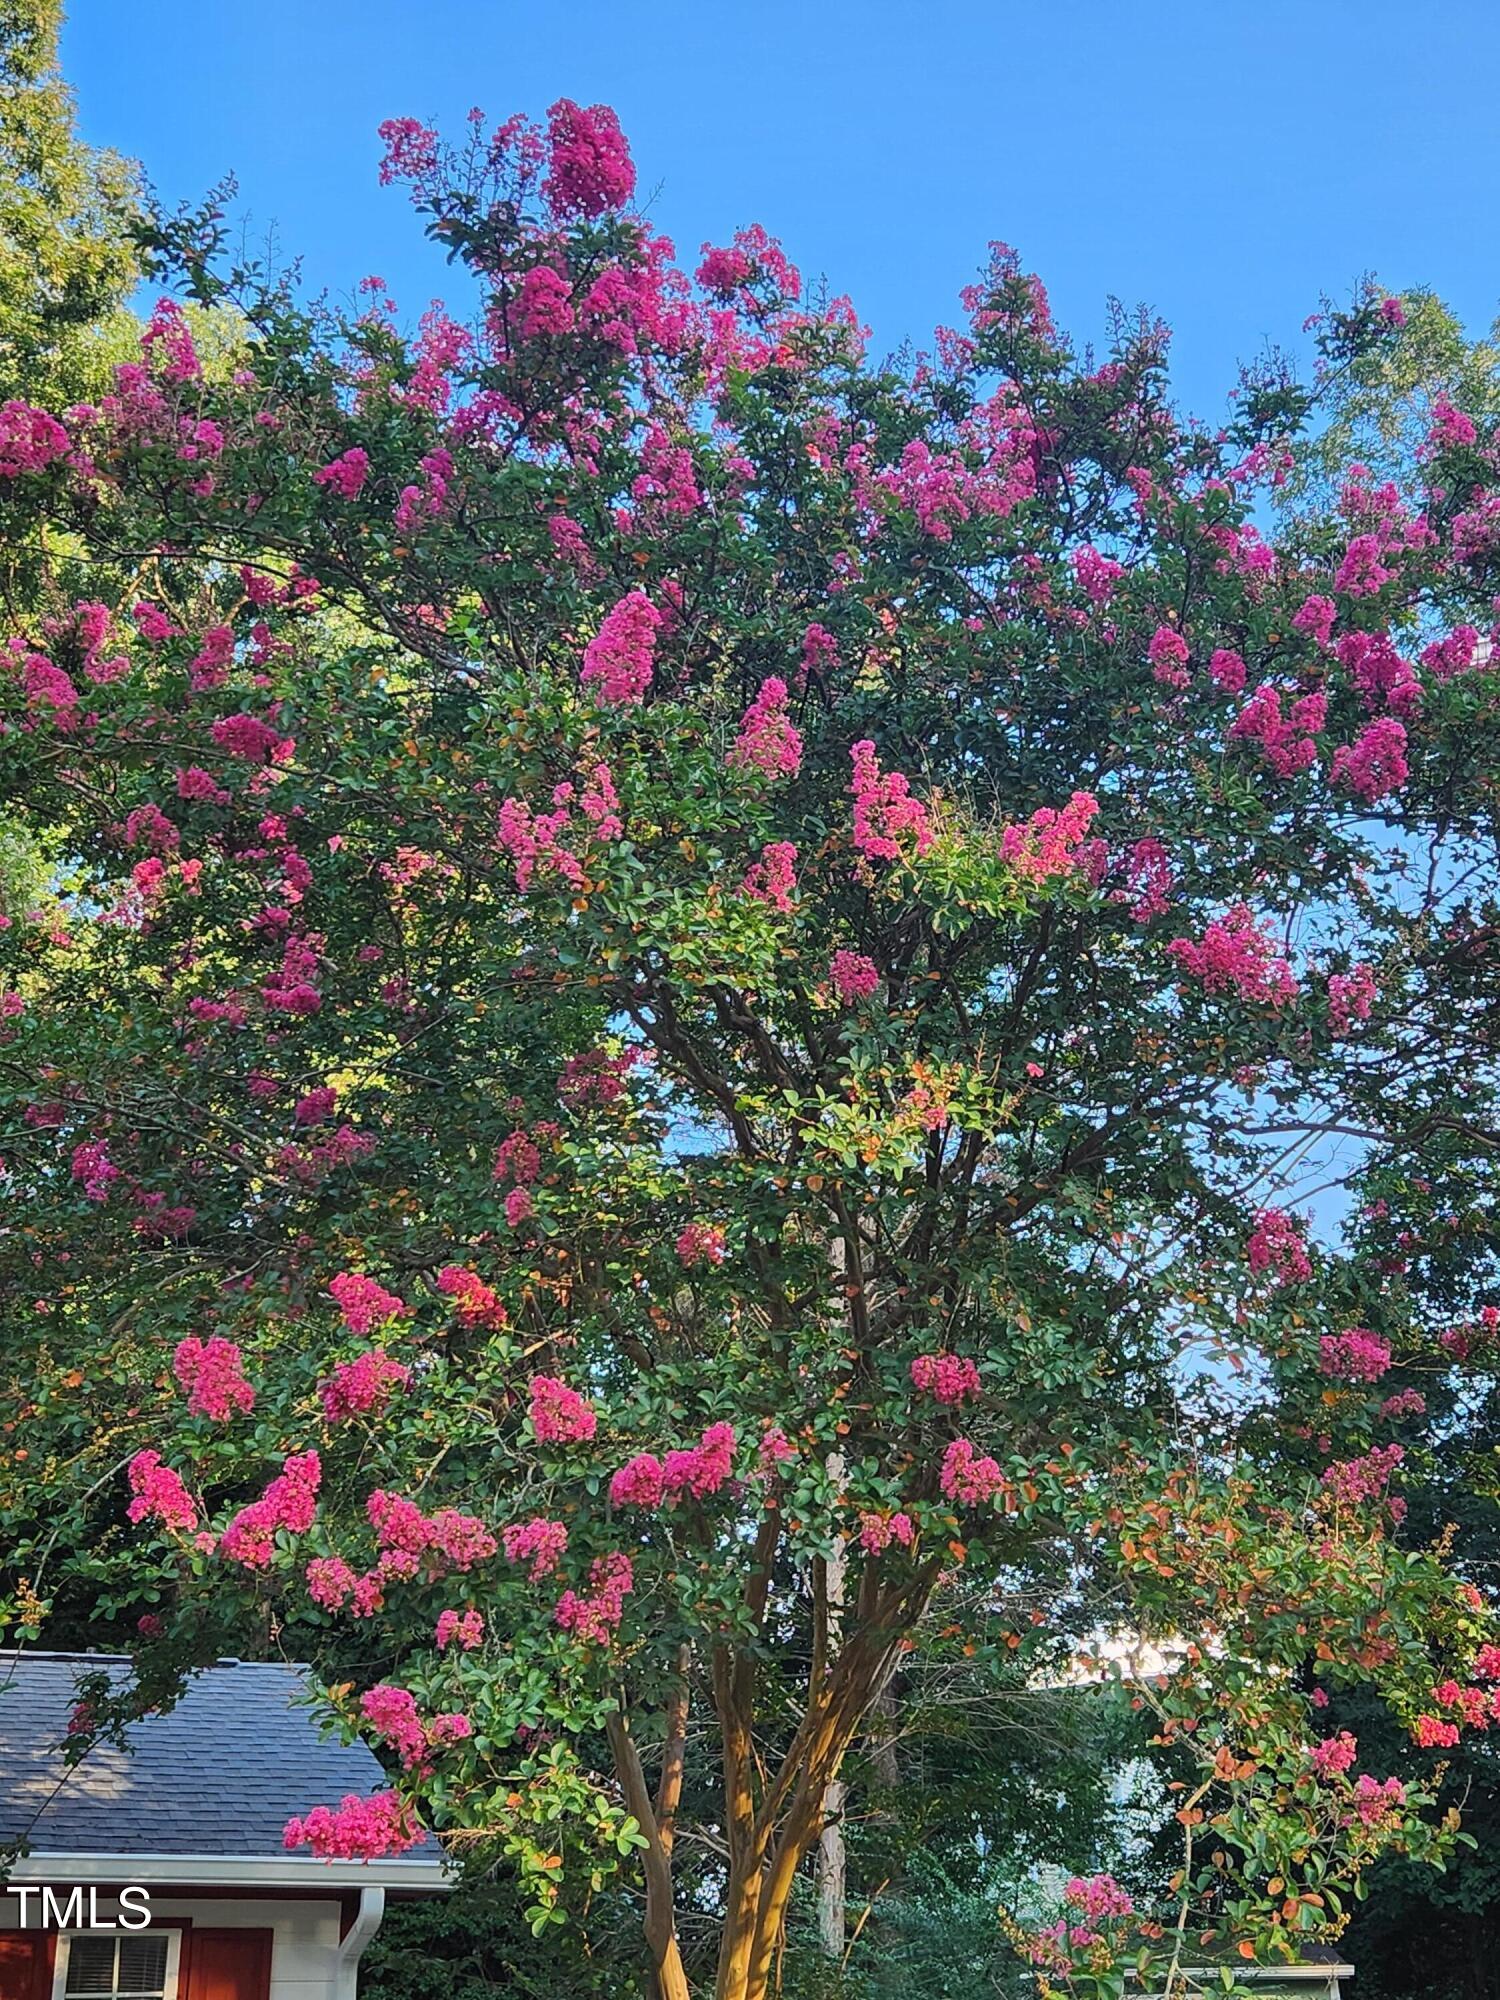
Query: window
[100, 1965]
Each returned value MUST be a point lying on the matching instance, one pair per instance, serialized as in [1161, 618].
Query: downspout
[366, 1923]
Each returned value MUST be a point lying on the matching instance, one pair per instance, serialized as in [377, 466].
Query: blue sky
[1222, 164]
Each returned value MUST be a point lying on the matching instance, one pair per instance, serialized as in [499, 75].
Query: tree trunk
[661, 1923]
[832, 1866]
[832, 1872]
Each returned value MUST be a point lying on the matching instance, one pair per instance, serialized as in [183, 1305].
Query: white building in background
[192, 1815]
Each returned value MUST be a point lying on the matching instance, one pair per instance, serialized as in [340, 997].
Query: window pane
[132, 1968]
[143, 1965]
[91, 1965]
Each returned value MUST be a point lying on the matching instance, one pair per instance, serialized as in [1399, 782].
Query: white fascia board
[229, 1871]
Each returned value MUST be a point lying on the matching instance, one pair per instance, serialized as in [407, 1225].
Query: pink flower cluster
[1334, 1755]
[942, 490]
[1446, 658]
[331, 1583]
[464, 1629]
[358, 1830]
[559, 1415]
[290, 1502]
[590, 169]
[50, 694]
[364, 1304]
[1314, 618]
[968, 1478]
[773, 879]
[820, 653]
[310, 1164]
[539, 1542]
[409, 1542]
[540, 840]
[346, 474]
[1475, 1707]
[1375, 763]
[700, 1243]
[878, 1531]
[391, 1713]
[1461, 1341]
[159, 1493]
[410, 1539]
[545, 307]
[1276, 1249]
[477, 1303]
[753, 256]
[854, 977]
[1098, 1896]
[621, 656]
[246, 736]
[1286, 743]
[293, 987]
[428, 500]
[168, 340]
[1235, 956]
[1351, 995]
[1361, 572]
[316, 1107]
[768, 740]
[885, 813]
[92, 1166]
[211, 1376]
[1054, 842]
[518, 1159]
[1352, 1480]
[362, 1387]
[393, 1718]
[1383, 677]
[598, 1077]
[667, 480]
[647, 1481]
[1168, 655]
[1097, 575]
[775, 1448]
[1150, 879]
[29, 439]
[595, 1616]
[1375, 1802]
[1355, 1355]
[1450, 428]
[1431, 1732]
[947, 1378]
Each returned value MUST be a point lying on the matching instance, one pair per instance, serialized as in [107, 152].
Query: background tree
[68, 262]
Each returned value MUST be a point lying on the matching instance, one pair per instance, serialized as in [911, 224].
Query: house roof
[212, 1781]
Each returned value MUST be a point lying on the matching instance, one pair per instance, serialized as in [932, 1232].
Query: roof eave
[229, 1871]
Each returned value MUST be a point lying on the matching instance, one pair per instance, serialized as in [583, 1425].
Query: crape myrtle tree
[679, 976]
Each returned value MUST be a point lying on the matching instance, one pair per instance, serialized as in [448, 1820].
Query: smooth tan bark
[661, 1923]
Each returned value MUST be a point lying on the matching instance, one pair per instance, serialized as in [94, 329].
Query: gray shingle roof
[220, 1774]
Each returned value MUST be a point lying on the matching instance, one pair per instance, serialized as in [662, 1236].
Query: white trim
[229, 1871]
[1303, 1974]
[64, 1952]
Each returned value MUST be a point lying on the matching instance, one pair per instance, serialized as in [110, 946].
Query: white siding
[305, 1962]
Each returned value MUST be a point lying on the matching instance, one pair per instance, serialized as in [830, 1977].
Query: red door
[225, 1965]
[25, 1966]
